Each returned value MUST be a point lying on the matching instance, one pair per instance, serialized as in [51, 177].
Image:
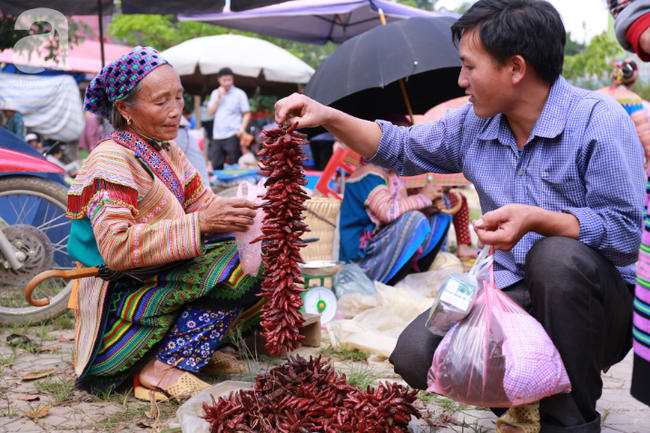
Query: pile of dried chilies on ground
[309, 396]
[283, 163]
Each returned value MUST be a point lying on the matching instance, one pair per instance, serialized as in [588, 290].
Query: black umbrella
[362, 77]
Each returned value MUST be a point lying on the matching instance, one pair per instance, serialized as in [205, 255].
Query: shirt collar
[550, 123]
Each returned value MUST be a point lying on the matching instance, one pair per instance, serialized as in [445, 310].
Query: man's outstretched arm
[360, 135]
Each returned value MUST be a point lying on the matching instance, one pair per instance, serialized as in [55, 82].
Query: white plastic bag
[456, 296]
[352, 279]
[250, 255]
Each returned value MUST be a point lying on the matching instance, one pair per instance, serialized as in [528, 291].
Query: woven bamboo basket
[320, 217]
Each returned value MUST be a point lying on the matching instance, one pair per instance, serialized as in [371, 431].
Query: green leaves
[9, 36]
[594, 62]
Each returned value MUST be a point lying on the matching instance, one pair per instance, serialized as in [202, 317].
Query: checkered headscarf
[117, 79]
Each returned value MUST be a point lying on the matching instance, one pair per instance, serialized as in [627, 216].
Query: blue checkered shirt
[583, 157]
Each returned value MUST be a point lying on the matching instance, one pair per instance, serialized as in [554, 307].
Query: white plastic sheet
[375, 330]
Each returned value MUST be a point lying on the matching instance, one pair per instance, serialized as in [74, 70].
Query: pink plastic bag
[497, 356]
[250, 255]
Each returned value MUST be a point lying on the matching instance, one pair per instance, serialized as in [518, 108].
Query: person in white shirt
[232, 112]
[54, 153]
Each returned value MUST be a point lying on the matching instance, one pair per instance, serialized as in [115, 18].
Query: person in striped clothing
[633, 33]
[171, 287]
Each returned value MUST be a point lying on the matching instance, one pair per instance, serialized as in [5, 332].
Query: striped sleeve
[125, 244]
[388, 208]
[108, 192]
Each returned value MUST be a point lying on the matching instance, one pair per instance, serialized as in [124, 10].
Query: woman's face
[159, 105]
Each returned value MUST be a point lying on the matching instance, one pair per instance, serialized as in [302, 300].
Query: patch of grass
[9, 410]
[65, 321]
[427, 397]
[474, 214]
[21, 341]
[604, 417]
[43, 332]
[59, 388]
[475, 427]
[19, 328]
[360, 375]
[344, 354]
[102, 396]
[9, 359]
[121, 419]
[448, 405]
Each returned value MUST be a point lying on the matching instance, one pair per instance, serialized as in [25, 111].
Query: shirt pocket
[562, 182]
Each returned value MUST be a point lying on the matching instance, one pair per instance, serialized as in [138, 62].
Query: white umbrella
[254, 62]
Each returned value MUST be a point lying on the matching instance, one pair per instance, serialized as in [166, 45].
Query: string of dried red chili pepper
[309, 396]
[283, 163]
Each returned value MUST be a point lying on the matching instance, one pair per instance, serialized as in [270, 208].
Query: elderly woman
[167, 295]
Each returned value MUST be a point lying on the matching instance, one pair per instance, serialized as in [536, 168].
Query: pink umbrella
[85, 57]
[439, 110]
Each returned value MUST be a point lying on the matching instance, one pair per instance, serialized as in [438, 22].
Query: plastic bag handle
[492, 284]
[484, 259]
[239, 190]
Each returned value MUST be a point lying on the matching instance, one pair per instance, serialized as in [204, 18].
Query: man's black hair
[224, 71]
[532, 29]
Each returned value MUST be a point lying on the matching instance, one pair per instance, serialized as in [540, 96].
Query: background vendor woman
[167, 295]
[387, 232]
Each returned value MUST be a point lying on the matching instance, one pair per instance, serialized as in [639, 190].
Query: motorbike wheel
[32, 217]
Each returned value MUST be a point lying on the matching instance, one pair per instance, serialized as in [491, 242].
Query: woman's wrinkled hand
[432, 191]
[227, 215]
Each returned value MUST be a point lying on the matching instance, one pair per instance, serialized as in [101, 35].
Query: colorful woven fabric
[371, 201]
[148, 152]
[381, 226]
[641, 318]
[395, 244]
[117, 79]
[456, 179]
[141, 315]
[195, 337]
[137, 222]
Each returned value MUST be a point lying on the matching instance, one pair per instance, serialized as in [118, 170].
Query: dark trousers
[219, 149]
[584, 305]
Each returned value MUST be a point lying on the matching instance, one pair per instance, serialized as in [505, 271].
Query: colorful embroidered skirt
[395, 244]
[141, 313]
[641, 318]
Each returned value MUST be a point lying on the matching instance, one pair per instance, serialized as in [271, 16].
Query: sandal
[186, 386]
[224, 363]
[525, 418]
